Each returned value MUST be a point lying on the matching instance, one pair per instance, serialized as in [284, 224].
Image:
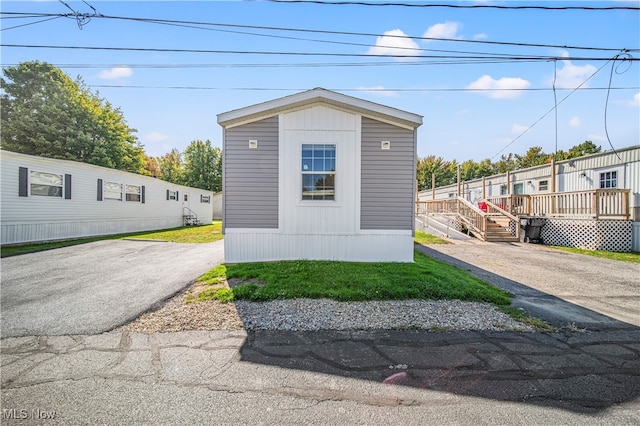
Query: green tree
[203, 166]
[45, 113]
[171, 167]
[533, 157]
[425, 167]
[585, 148]
[506, 164]
[152, 167]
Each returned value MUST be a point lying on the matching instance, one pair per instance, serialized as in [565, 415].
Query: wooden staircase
[492, 223]
[497, 230]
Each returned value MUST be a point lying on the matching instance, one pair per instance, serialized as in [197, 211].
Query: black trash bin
[531, 228]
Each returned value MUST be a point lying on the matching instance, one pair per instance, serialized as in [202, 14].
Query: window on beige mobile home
[543, 185]
[172, 195]
[503, 189]
[609, 180]
[318, 172]
[45, 184]
[132, 192]
[205, 199]
[112, 191]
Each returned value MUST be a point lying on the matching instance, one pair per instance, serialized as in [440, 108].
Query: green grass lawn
[424, 239]
[426, 278]
[185, 234]
[622, 257]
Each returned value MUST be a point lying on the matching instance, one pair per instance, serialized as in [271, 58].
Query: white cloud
[636, 101]
[571, 76]
[575, 122]
[395, 42]
[518, 129]
[155, 137]
[379, 91]
[481, 36]
[444, 30]
[116, 72]
[595, 138]
[504, 88]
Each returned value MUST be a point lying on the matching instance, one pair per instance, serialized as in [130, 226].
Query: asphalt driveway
[95, 287]
[601, 293]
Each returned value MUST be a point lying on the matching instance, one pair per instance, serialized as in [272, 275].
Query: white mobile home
[589, 202]
[45, 199]
[319, 175]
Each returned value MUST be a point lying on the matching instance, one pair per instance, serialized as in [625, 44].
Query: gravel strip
[323, 314]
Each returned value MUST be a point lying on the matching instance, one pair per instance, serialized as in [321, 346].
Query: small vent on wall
[385, 145]
[253, 143]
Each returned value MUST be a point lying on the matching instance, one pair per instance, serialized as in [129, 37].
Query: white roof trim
[298, 100]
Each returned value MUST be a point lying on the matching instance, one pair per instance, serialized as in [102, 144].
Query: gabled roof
[315, 96]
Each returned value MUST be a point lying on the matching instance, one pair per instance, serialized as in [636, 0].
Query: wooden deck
[499, 218]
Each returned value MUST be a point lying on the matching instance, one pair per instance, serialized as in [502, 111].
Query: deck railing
[472, 216]
[598, 204]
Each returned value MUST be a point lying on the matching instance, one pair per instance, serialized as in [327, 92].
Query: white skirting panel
[17, 233]
[636, 237]
[256, 246]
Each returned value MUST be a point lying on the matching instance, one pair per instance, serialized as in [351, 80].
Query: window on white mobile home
[609, 179]
[45, 184]
[112, 191]
[132, 193]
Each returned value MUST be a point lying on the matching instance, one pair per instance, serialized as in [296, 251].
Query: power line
[452, 6]
[322, 54]
[347, 33]
[381, 90]
[556, 105]
[30, 23]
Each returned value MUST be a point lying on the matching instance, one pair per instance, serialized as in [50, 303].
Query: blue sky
[459, 123]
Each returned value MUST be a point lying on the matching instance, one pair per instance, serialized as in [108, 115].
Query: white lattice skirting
[590, 234]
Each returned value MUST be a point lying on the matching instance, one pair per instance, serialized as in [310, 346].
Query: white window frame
[304, 171]
[543, 185]
[46, 180]
[608, 177]
[206, 199]
[109, 191]
[133, 191]
[173, 195]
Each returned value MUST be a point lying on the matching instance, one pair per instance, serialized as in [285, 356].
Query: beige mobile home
[45, 199]
[319, 175]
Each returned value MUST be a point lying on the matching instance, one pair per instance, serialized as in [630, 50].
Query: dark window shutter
[23, 175]
[142, 194]
[177, 196]
[67, 187]
[99, 189]
[167, 194]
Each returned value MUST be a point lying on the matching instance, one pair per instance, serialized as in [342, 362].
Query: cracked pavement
[394, 377]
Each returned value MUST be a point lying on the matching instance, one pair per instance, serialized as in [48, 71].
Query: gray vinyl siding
[251, 176]
[387, 183]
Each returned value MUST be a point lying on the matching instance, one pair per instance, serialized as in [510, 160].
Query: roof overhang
[319, 96]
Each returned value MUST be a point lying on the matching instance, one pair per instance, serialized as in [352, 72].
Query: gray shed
[319, 175]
